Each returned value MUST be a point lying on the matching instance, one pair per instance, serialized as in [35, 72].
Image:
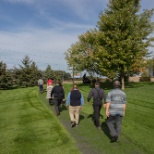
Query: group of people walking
[114, 104]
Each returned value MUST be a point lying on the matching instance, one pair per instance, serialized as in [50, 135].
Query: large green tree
[121, 38]
[124, 35]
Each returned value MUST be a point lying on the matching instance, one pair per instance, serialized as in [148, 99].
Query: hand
[104, 105]
[107, 113]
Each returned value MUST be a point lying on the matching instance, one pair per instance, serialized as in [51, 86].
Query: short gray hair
[116, 84]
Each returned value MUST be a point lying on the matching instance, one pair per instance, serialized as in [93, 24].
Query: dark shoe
[94, 122]
[114, 139]
[58, 113]
[73, 124]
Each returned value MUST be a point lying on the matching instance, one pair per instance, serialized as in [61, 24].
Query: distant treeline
[27, 74]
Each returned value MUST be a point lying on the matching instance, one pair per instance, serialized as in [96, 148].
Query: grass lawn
[28, 124]
[28, 127]
[138, 124]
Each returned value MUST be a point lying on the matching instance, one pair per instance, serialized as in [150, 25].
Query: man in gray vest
[115, 110]
[98, 95]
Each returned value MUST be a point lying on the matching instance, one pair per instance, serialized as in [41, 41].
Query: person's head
[116, 84]
[59, 83]
[75, 86]
[97, 84]
[50, 83]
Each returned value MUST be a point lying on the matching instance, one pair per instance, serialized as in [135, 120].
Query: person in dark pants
[98, 95]
[115, 110]
[40, 84]
[57, 94]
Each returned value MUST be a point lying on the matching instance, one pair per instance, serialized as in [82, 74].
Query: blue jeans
[41, 88]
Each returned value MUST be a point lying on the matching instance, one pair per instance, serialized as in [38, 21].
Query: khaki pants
[74, 113]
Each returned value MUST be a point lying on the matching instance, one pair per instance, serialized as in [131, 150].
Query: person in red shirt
[49, 82]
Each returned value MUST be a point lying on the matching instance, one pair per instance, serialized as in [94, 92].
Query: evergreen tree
[27, 74]
[6, 80]
[49, 73]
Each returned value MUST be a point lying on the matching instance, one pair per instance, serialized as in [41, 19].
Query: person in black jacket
[98, 95]
[57, 94]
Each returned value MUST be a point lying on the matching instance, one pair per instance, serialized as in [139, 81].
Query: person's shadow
[105, 129]
[81, 117]
[92, 116]
[63, 107]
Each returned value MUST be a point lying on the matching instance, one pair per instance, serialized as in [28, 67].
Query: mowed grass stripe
[91, 140]
[29, 127]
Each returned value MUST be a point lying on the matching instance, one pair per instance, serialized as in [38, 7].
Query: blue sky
[45, 29]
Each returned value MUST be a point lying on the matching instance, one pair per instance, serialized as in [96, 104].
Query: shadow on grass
[63, 107]
[92, 116]
[105, 129]
[81, 117]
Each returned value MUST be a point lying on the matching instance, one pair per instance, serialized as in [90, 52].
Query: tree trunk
[122, 83]
[73, 75]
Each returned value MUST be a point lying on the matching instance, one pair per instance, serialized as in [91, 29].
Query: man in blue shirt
[115, 110]
[75, 102]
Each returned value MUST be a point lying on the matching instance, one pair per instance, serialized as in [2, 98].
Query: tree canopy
[119, 41]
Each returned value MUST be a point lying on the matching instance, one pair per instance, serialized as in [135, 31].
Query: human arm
[68, 99]
[124, 109]
[89, 96]
[52, 92]
[125, 102]
[107, 109]
[107, 104]
[82, 100]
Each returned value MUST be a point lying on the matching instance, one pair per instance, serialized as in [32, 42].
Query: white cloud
[44, 46]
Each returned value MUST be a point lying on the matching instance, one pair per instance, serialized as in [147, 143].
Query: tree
[49, 73]
[124, 35]
[120, 39]
[5, 76]
[74, 59]
[2, 68]
[27, 74]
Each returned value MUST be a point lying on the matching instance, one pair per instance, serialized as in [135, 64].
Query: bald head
[116, 84]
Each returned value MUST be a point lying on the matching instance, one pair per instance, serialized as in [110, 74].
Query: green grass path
[28, 124]
[91, 140]
[28, 127]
